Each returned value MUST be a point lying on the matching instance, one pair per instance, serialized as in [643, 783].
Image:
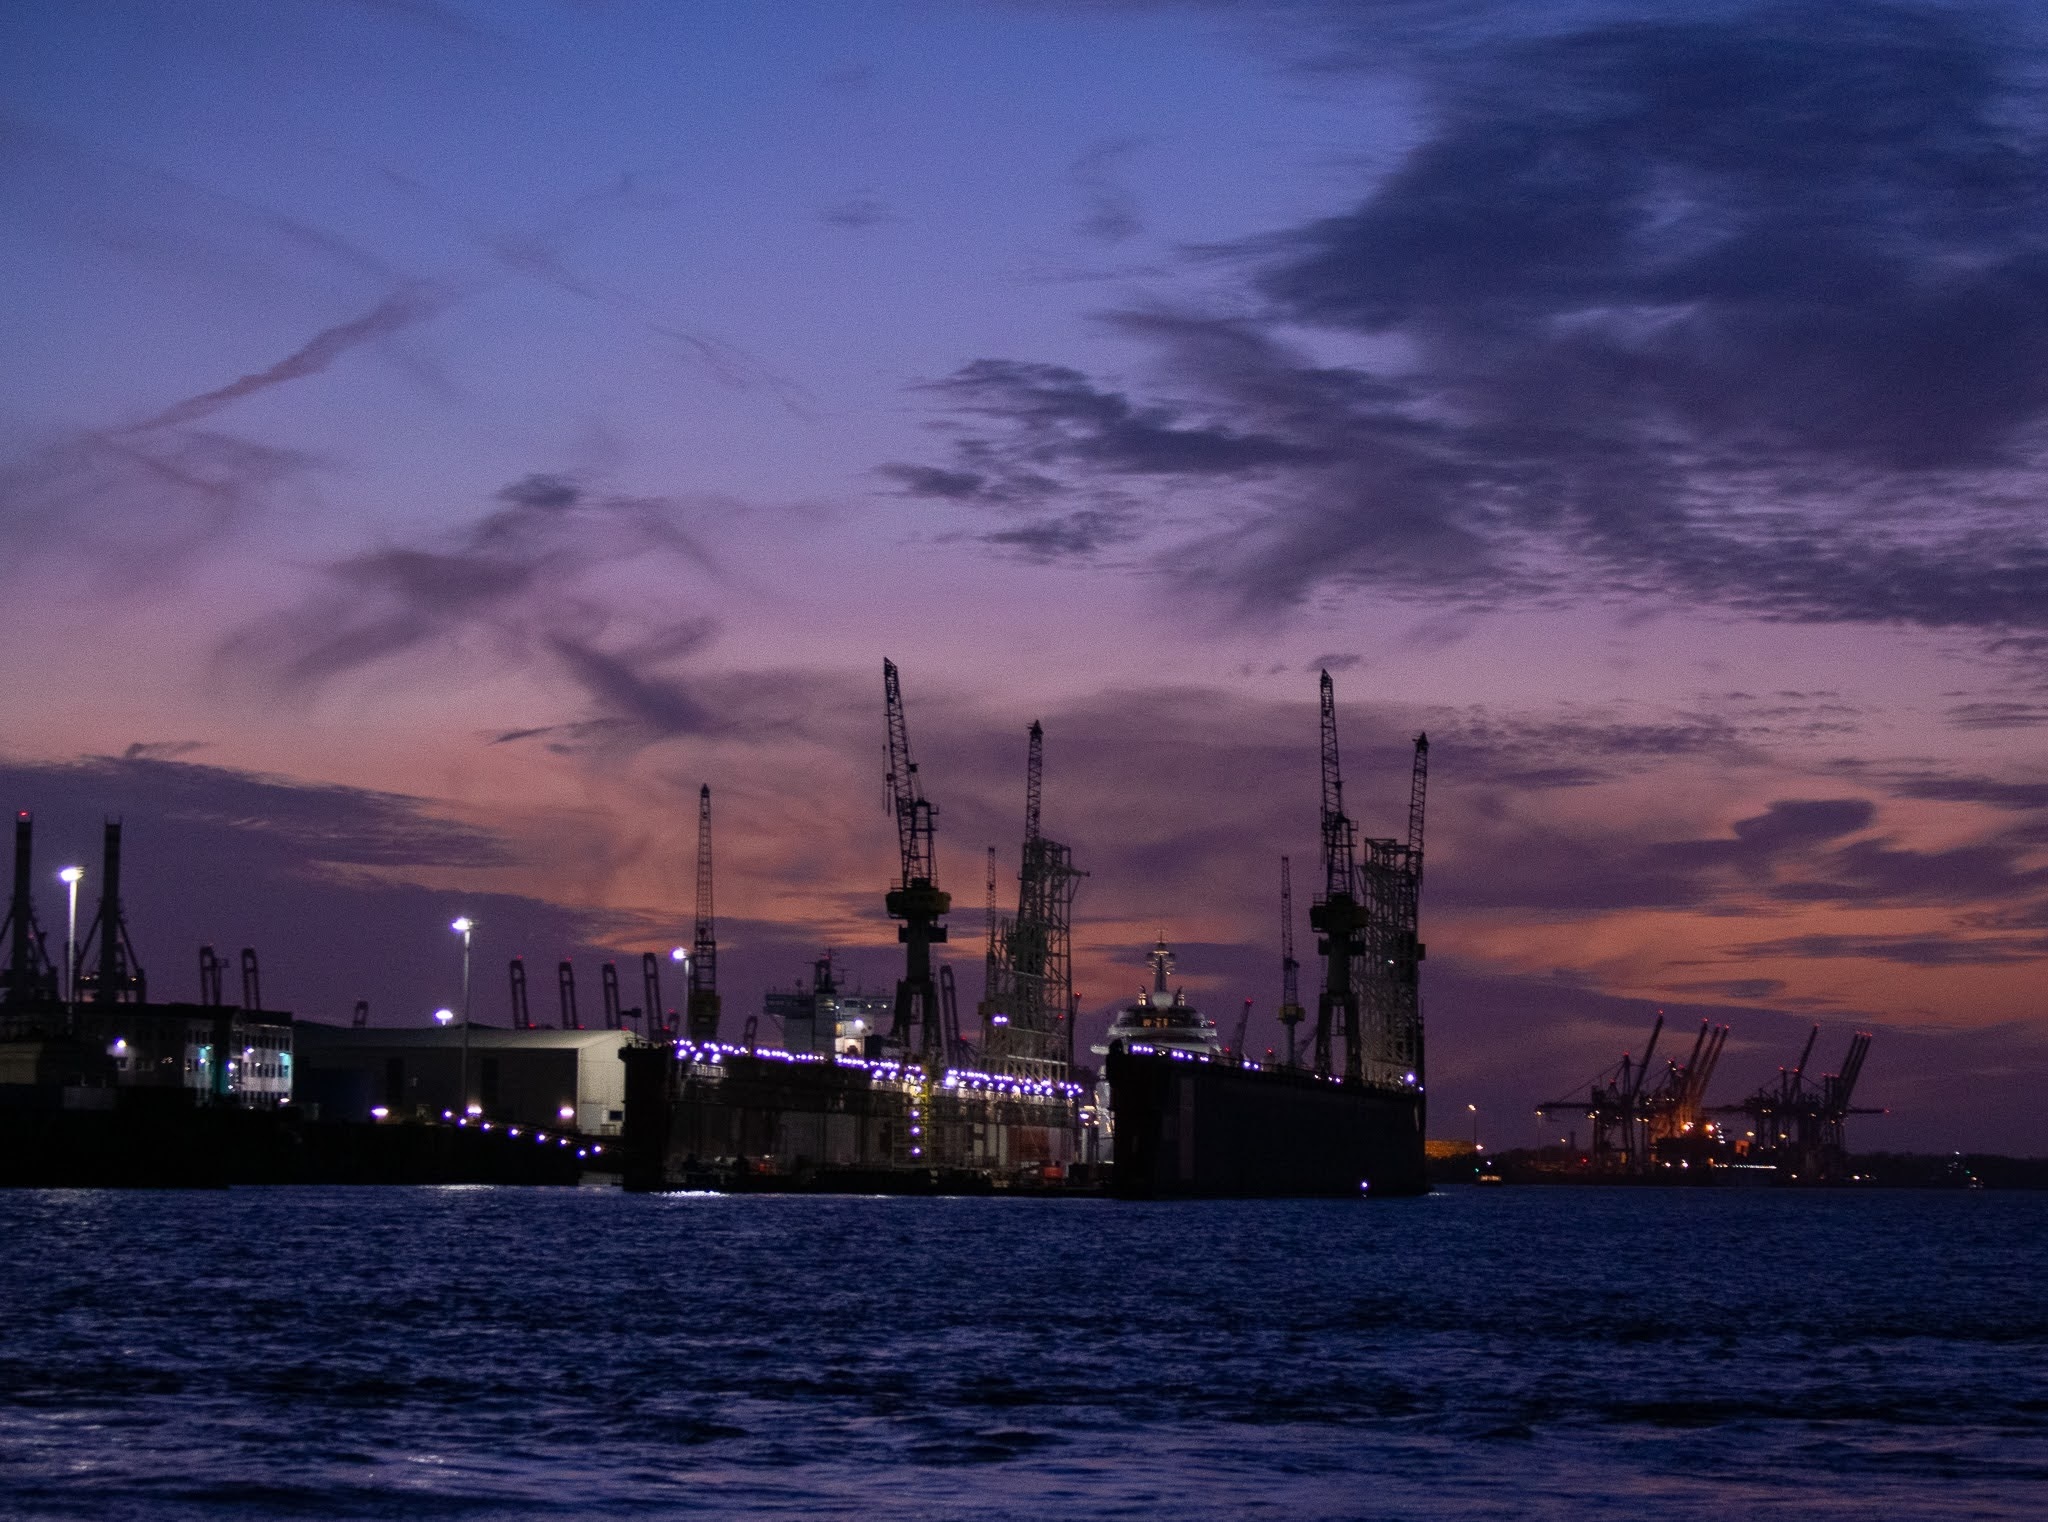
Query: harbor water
[572, 1353]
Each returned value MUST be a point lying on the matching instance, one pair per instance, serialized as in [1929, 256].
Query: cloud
[1796, 851]
[527, 580]
[1747, 310]
[858, 212]
[1109, 209]
[412, 303]
[1911, 951]
[162, 750]
[136, 505]
[1998, 715]
[1986, 790]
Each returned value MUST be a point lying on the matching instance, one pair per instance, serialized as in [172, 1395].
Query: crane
[1291, 1013]
[1034, 780]
[916, 899]
[1418, 786]
[703, 1003]
[1337, 917]
[31, 979]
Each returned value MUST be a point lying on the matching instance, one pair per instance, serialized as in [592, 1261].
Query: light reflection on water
[569, 1353]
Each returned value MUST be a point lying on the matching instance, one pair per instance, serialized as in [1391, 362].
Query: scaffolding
[1027, 1004]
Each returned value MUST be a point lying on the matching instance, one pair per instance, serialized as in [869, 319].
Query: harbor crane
[1799, 1122]
[702, 1010]
[917, 899]
[31, 977]
[1291, 1013]
[1337, 916]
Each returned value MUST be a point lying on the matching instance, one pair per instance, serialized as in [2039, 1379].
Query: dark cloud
[1873, 871]
[928, 481]
[1109, 209]
[138, 505]
[1986, 790]
[161, 750]
[526, 581]
[1070, 535]
[858, 212]
[1912, 951]
[1486, 750]
[412, 303]
[1748, 309]
[1795, 851]
[1998, 715]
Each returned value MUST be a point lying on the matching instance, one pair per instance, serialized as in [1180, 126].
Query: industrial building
[570, 1079]
[82, 1033]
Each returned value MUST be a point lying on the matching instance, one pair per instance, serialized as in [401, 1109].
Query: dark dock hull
[748, 1123]
[1191, 1129]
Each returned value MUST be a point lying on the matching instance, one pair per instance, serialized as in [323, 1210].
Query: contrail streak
[413, 302]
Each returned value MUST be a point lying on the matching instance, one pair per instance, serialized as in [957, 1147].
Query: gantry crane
[31, 978]
[703, 1005]
[1798, 1122]
[916, 899]
[1614, 1104]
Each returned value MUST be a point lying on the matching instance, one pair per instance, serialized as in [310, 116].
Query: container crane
[916, 899]
[31, 979]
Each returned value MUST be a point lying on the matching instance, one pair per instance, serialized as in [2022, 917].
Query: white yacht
[1161, 1020]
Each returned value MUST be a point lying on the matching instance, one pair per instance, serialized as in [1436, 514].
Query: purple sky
[440, 436]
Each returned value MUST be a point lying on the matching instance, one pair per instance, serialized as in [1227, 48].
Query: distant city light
[445, 1016]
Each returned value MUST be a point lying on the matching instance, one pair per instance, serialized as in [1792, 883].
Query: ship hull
[704, 1117]
[1187, 1128]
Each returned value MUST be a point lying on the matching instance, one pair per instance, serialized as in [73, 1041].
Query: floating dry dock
[702, 1114]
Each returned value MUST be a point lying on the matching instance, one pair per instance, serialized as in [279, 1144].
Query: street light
[463, 926]
[69, 877]
[1475, 1126]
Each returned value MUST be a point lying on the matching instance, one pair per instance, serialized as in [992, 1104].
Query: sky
[437, 437]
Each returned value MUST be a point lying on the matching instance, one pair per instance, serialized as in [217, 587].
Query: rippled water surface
[1560, 1353]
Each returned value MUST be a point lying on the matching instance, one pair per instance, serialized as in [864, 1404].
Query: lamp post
[463, 927]
[1475, 1126]
[69, 877]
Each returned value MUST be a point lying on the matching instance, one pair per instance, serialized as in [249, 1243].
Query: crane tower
[703, 1004]
[916, 899]
[1027, 1016]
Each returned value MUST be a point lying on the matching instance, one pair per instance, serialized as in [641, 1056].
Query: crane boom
[1034, 778]
[1340, 850]
[1418, 787]
[906, 792]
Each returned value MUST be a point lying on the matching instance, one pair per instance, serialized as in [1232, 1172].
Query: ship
[1162, 1019]
[1192, 1118]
